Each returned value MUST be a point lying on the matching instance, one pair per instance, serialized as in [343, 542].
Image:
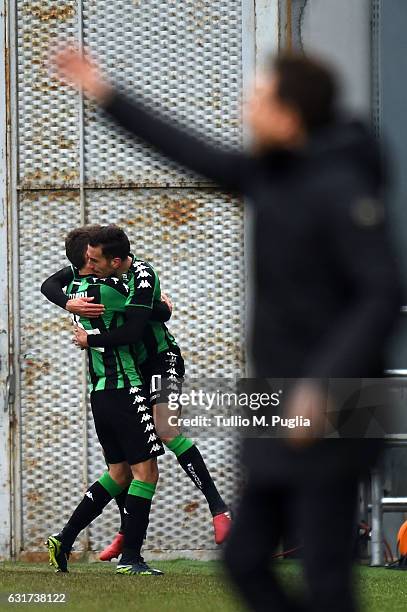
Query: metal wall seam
[260, 41]
[376, 8]
[267, 31]
[15, 319]
[5, 523]
[82, 200]
[250, 10]
[81, 125]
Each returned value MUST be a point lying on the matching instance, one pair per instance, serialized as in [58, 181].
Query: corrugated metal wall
[72, 167]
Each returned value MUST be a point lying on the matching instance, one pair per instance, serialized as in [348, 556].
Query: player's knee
[153, 472]
[165, 431]
[146, 471]
[119, 474]
[121, 480]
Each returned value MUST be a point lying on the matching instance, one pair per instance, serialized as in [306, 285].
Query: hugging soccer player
[154, 348]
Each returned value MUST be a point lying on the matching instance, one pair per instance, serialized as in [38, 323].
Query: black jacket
[326, 286]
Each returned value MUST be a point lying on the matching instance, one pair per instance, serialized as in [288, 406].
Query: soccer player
[124, 426]
[76, 245]
[158, 355]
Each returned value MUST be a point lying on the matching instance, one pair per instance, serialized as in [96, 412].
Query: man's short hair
[76, 244]
[112, 240]
[309, 86]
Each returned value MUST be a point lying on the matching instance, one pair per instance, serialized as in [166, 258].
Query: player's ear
[116, 263]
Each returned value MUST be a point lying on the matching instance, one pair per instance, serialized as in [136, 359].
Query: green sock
[110, 485]
[142, 489]
[138, 505]
[179, 445]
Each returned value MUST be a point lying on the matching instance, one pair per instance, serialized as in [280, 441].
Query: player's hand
[84, 307]
[74, 67]
[80, 337]
[309, 401]
[166, 299]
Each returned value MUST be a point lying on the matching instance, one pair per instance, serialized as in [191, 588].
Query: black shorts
[124, 425]
[164, 375]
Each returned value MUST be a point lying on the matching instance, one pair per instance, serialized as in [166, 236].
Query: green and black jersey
[115, 368]
[143, 291]
[109, 368]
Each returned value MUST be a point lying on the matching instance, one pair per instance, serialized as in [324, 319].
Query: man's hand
[74, 67]
[84, 307]
[166, 299]
[309, 401]
[80, 337]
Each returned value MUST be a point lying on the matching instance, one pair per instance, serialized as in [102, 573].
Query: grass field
[187, 586]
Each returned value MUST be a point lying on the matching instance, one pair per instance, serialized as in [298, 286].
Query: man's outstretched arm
[228, 169]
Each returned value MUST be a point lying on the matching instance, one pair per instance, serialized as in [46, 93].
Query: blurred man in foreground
[326, 298]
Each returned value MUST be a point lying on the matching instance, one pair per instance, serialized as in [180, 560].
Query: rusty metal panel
[194, 239]
[180, 233]
[52, 427]
[186, 57]
[47, 112]
[193, 235]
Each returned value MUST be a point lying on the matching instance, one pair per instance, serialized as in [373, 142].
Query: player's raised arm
[228, 169]
[53, 289]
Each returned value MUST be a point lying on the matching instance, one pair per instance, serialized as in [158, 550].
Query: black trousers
[325, 514]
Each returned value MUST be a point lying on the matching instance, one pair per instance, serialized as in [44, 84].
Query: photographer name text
[238, 421]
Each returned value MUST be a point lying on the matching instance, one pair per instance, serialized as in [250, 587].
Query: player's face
[273, 123]
[99, 264]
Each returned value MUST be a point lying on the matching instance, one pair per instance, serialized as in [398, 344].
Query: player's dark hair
[112, 240]
[76, 244]
[309, 86]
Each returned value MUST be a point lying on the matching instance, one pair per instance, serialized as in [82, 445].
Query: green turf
[187, 586]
